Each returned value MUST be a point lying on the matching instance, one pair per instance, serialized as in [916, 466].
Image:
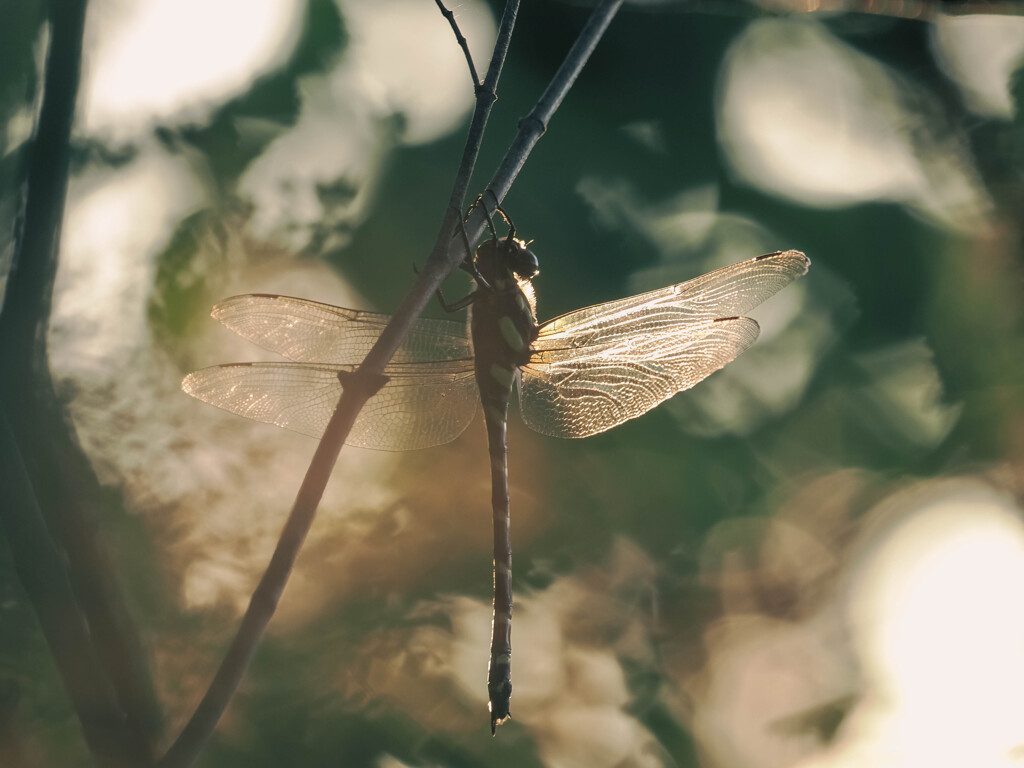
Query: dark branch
[445, 257]
[462, 43]
[920, 10]
[486, 95]
[41, 573]
[357, 390]
[63, 486]
[532, 127]
[923, 10]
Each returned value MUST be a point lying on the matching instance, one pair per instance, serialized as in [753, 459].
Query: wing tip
[792, 253]
[219, 310]
[749, 322]
[223, 307]
[192, 383]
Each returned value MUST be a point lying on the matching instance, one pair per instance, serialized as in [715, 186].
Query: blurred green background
[814, 558]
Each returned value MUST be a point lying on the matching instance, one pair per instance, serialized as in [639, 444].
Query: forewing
[310, 332]
[603, 386]
[419, 407]
[726, 292]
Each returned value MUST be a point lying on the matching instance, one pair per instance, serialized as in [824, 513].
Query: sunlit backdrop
[814, 559]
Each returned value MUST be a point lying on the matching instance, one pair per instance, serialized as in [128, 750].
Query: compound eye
[525, 263]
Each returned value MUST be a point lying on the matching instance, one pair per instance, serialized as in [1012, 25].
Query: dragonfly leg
[469, 265]
[508, 221]
[455, 306]
[498, 209]
[511, 225]
[487, 213]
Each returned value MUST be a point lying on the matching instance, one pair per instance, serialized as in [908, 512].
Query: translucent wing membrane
[589, 370]
[726, 292]
[610, 384]
[419, 407]
[596, 367]
[310, 332]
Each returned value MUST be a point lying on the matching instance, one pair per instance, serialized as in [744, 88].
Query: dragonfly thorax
[505, 260]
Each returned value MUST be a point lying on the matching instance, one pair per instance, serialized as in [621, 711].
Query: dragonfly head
[522, 260]
[508, 257]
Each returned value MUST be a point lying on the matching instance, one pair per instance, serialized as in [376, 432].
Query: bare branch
[486, 95]
[64, 487]
[358, 389]
[462, 42]
[532, 127]
[360, 386]
[41, 572]
[921, 10]
[267, 594]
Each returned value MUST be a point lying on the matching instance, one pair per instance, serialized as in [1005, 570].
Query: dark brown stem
[532, 127]
[486, 95]
[64, 488]
[360, 386]
[358, 389]
[921, 10]
[918, 10]
[462, 42]
[264, 600]
[41, 573]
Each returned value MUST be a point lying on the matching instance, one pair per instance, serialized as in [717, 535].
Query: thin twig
[532, 127]
[917, 10]
[444, 260]
[921, 10]
[359, 387]
[462, 42]
[486, 95]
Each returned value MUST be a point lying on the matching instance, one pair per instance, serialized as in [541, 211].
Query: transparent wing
[311, 332]
[419, 407]
[726, 292]
[606, 385]
[597, 367]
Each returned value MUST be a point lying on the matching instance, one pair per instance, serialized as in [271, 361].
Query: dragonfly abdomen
[499, 671]
[503, 328]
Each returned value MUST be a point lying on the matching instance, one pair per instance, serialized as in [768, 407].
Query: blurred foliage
[272, 98]
[936, 336]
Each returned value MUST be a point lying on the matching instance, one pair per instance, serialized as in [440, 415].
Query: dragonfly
[577, 375]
